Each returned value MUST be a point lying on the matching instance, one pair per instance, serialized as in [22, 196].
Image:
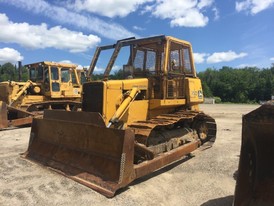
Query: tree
[7, 72]
[244, 85]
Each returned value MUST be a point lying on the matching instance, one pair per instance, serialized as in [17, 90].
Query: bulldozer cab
[166, 62]
[56, 80]
[153, 56]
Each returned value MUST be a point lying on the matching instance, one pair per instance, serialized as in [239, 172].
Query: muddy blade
[255, 182]
[3, 115]
[98, 157]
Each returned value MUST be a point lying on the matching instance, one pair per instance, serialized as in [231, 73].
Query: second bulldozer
[51, 85]
[130, 127]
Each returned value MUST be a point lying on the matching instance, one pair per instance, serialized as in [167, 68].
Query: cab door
[70, 86]
[54, 81]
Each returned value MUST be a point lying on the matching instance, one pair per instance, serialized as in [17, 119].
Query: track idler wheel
[206, 128]
[202, 131]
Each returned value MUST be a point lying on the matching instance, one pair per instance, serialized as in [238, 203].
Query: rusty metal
[3, 115]
[21, 121]
[12, 117]
[15, 117]
[255, 182]
[164, 159]
[79, 151]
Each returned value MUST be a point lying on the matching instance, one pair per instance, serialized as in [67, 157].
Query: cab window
[83, 78]
[144, 62]
[32, 74]
[187, 61]
[40, 70]
[65, 74]
[150, 61]
[180, 62]
[54, 73]
[73, 78]
[138, 63]
[46, 75]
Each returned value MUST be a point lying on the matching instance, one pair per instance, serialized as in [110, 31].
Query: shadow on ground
[157, 172]
[224, 201]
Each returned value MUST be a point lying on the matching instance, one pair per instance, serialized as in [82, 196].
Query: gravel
[206, 178]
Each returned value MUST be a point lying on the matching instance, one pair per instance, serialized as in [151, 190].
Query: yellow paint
[160, 103]
[194, 91]
[113, 97]
[138, 111]
[142, 84]
[125, 104]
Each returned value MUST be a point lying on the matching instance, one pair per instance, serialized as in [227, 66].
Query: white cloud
[199, 57]
[138, 28]
[204, 3]
[109, 8]
[253, 6]
[64, 16]
[10, 55]
[224, 56]
[78, 66]
[147, 8]
[246, 65]
[98, 70]
[216, 13]
[272, 59]
[193, 19]
[101, 70]
[115, 68]
[188, 13]
[40, 36]
[66, 61]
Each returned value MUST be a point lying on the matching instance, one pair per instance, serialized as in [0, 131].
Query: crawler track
[196, 125]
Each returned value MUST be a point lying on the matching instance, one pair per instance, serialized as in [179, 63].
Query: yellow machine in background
[50, 86]
[129, 127]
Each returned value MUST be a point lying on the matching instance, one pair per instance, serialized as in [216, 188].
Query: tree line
[9, 72]
[246, 85]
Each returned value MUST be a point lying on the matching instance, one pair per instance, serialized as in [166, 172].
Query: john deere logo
[200, 94]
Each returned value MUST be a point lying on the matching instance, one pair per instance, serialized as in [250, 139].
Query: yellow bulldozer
[51, 85]
[129, 127]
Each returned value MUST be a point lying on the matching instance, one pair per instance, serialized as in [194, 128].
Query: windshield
[36, 73]
[135, 59]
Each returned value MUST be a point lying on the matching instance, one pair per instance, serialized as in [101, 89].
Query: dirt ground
[206, 179]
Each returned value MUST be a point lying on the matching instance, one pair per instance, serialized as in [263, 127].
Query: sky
[235, 33]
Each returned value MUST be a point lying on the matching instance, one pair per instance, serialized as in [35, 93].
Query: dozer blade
[79, 146]
[3, 115]
[255, 182]
[14, 117]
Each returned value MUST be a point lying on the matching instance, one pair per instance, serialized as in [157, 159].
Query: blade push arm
[124, 106]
